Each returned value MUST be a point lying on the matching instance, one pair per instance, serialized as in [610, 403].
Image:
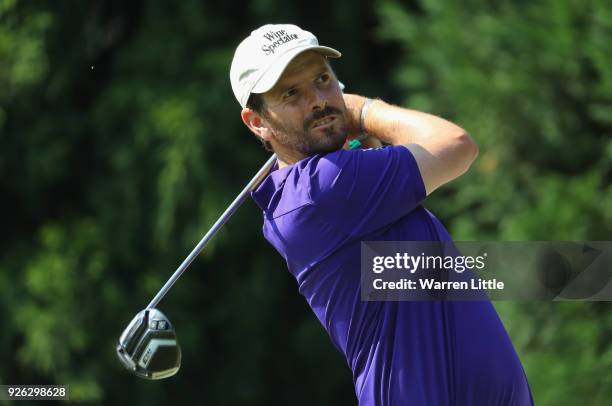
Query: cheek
[336, 99]
[293, 117]
[289, 119]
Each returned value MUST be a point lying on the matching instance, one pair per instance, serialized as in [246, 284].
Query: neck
[287, 157]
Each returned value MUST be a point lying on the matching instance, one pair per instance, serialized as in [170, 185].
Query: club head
[148, 346]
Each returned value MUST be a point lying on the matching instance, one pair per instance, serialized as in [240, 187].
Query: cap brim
[273, 74]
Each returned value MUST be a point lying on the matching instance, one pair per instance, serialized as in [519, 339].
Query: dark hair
[256, 103]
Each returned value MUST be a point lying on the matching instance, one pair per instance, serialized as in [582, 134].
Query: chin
[328, 147]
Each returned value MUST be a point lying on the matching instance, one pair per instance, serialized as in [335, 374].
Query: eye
[289, 93]
[324, 78]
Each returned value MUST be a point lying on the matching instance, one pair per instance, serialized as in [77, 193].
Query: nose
[318, 101]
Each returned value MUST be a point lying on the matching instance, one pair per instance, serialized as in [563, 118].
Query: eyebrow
[313, 62]
[288, 84]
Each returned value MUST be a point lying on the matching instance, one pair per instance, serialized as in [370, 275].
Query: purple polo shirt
[316, 213]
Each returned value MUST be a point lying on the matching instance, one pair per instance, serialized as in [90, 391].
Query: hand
[354, 104]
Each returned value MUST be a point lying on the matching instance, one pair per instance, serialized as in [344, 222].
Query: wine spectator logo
[276, 39]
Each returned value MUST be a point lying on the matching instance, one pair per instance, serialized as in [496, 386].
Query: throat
[287, 157]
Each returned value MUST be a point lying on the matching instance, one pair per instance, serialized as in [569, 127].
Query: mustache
[319, 114]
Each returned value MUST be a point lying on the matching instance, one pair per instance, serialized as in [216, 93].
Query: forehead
[302, 66]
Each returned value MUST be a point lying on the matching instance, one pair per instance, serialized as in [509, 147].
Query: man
[321, 200]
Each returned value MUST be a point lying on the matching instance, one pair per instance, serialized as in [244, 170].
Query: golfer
[321, 200]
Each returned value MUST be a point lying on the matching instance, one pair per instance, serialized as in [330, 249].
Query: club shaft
[213, 230]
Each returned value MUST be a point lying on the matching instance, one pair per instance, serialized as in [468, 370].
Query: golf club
[148, 347]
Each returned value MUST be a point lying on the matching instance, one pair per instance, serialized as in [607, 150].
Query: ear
[256, 123]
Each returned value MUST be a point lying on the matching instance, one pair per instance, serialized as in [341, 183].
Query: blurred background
[121, 144]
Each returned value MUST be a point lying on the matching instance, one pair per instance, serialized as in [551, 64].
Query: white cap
[262, 57]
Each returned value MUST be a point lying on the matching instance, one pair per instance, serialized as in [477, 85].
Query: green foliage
[122, 143]
[22, 58]
[57, 316]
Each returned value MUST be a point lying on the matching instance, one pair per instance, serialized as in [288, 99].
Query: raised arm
[443, 150]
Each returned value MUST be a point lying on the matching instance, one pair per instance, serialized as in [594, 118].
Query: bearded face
[321, 132]
[305, 112]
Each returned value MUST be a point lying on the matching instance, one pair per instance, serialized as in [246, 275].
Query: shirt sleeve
[365, 190]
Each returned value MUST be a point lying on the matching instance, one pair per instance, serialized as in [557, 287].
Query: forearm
[442, 149]
[396, 126]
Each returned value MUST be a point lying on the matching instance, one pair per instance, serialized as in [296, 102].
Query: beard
[304, 141]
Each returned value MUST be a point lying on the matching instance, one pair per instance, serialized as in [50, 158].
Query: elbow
[472, 147]
[469, 150]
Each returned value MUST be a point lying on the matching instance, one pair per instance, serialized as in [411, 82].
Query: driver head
[148, 346]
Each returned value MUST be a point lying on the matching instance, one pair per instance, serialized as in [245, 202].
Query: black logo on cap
[276, 38]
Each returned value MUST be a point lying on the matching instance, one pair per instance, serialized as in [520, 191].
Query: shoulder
[343, 159]
[340, 169]
[343, 175]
